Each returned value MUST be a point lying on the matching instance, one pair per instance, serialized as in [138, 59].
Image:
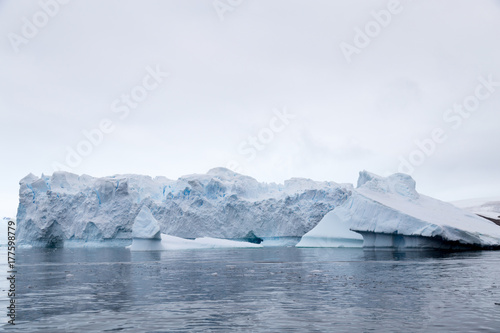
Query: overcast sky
[275, 89]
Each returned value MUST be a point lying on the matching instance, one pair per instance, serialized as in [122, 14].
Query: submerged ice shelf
[226, 209]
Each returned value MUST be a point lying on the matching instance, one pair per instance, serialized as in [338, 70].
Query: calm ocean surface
[255, 290]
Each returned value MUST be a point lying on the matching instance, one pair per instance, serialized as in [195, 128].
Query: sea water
[283, 289]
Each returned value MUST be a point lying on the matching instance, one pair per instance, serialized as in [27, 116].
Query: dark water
[257, 290]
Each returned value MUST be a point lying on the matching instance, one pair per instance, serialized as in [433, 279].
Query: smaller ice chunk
[332, 231]
[145, 225]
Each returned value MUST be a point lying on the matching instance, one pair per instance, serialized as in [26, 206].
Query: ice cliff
[66, 208]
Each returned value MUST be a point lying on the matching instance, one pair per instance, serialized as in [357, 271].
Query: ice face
[145, 225]
[63, 208]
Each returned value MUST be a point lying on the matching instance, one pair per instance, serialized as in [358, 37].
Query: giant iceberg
[388, 212]
[66, 209]
[220, 207]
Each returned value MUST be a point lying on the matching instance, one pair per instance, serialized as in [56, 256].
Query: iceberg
[388, 212]
[226, 209]
[66, 209]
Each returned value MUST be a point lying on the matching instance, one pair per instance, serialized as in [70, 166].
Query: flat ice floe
[168, 242]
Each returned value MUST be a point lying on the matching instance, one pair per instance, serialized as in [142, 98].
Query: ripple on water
[264, 290]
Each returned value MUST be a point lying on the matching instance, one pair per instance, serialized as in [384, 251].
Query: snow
[169, 242]
[67, 208]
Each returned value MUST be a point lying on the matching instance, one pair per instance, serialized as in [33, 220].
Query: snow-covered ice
[389, 212]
